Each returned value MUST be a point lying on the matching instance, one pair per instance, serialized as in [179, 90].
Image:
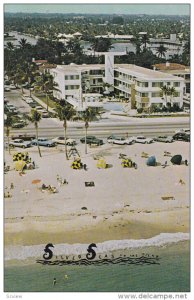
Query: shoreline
[29, 255]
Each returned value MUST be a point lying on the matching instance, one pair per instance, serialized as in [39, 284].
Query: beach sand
[125, 203]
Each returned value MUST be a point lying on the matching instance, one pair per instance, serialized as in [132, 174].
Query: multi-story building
[173, 46]
[143, 87]
[82, 85]
[176, 70]
[76, 82]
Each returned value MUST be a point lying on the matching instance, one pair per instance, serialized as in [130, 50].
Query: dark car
[92, 140]
[18, 125]
[24, 137]
[181, 136]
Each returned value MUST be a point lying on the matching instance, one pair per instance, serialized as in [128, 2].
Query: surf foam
[37, 251]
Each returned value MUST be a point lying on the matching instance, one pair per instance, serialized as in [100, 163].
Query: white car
[6, 89]
[12, 87]
[143, 140]
[20, 143]
[130, 141]
[38, 107]
[120, 141]
[61, 140]
[29, 100]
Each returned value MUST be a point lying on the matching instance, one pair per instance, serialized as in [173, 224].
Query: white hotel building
[83, 85]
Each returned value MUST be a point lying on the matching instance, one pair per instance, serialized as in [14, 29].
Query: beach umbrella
[151, 161]
[19, 165]
[126, 163]
[101, 164]
[76, 165]
[176, 159]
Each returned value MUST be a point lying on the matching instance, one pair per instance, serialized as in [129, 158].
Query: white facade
[141, 87]
[172, 45]
[74, 81]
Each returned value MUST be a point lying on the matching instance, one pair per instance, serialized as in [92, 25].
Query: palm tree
[35, 118]
[65, 112]
[172, 92]
[161, 51]
[8, 123]
[10, 46]
[136, 41]
[165, 92]
[24, 44]
[29, 73]
[88, 116]
[145, 40]
[44, 83]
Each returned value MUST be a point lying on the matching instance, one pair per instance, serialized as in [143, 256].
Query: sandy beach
[125, 203]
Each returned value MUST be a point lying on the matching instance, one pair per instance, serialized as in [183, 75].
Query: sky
[167, 9]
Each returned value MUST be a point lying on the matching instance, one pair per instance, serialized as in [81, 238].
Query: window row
[71, 77]
[72, 87]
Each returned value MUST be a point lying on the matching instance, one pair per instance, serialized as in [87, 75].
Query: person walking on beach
[54, 281]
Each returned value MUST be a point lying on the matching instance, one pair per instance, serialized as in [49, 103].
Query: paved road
[104, 130]
[132, 126]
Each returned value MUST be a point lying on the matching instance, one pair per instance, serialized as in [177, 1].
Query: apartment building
[142, 87]
[176, 70]
[82, 85]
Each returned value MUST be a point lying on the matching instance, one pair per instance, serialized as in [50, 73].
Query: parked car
[120, 140]
[29, 100]
[111, 138]
[45, 114]
[20, 143]
[130, 141]
[164, 139]
[92, 140]
[12, 87]
[32, 104]
[185, 130]
[18, 125]
[43, 142]
[61, 140]
[38, 107]
[143, 140]
[181, 136]
[24, 137]
[6, 89]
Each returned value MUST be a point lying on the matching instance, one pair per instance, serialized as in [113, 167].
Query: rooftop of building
[170, 66]
[74, 67]
[143, 73]
[129, 69]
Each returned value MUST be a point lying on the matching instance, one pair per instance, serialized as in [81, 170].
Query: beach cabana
[176, 159]
[76, 164]
[151, 161]
[101, 164]
[20, 165]
[127, 163]
[21, 156]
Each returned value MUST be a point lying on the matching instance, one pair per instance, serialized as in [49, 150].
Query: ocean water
[171, 275]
